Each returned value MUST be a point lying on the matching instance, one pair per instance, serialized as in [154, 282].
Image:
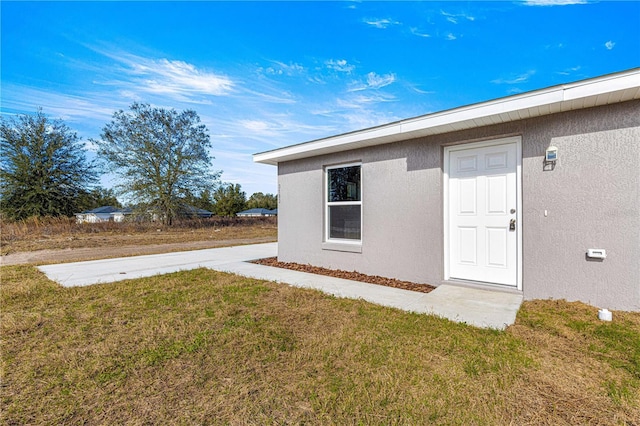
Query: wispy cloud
[137, 77]
[247, 173]
[609, 45]
[271, 128]
[178, 80]
[256, 126]
[68, 107]
[450, 36]
[281, 68]
[422, 92]
[552, 2]
[454, 18]
[374, 81]
[340, 65]
[417, 32]
[358, 110]
[359, 101]
[568, 71]
[366, 118]
[381, 23]
[352, 4]
[270, 95]
[515, 79]
[349, 114]
[554, 46]
[168, 77]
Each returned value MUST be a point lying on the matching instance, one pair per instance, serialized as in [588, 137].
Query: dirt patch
[93, 253]
[355, 276]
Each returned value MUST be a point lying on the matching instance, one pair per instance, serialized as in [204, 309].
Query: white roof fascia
[608, 84]
[531, 104]
[486, 109]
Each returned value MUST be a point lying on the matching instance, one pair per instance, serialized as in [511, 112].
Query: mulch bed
[355, 276]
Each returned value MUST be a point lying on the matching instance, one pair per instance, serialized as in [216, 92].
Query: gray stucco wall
[592, 199]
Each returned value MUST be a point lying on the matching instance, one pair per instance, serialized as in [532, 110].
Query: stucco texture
[591, 198]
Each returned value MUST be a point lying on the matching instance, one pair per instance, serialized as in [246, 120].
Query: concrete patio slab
[111, 270]
[477, 307]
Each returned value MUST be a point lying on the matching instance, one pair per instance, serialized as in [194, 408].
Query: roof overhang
[605, 90]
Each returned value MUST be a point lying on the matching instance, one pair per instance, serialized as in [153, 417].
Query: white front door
[483, 212]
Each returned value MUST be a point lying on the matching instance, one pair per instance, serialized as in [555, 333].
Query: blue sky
[263, 75]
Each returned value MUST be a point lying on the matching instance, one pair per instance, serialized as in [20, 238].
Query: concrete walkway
[481, 308]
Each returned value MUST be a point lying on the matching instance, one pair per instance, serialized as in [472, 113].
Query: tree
[205, 201]
[43, 168]
[230, 199]
[98, 197]
[262, 201]
[202, 201]
[160, 155]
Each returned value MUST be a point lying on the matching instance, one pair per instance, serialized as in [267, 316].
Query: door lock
[512, 225]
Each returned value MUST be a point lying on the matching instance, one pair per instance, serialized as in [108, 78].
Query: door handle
[512, 225]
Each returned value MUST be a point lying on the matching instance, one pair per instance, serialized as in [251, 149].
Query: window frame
[328, 204]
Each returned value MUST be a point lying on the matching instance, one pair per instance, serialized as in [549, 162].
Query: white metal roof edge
[462, 117]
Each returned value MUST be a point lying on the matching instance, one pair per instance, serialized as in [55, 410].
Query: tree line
[161, 158]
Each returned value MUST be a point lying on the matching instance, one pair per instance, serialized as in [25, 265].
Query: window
[344, 203]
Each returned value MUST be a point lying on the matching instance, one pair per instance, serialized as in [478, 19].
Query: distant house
[258, 212]
[184, 211]
[102, 214]
[537, 193]
[191, 211]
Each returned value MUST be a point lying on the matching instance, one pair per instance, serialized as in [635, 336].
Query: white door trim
[447, 150]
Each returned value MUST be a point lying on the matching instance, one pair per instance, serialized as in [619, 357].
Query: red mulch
[355, 276]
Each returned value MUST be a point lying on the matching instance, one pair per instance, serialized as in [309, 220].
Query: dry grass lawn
[203, 347]
[63, 233]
